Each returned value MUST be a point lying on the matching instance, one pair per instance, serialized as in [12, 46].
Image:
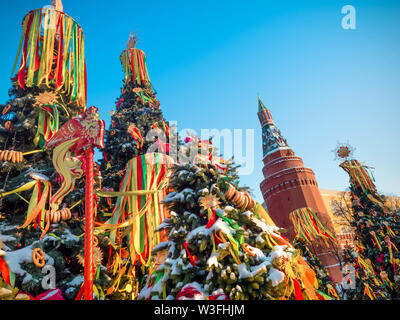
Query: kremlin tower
[288, 185]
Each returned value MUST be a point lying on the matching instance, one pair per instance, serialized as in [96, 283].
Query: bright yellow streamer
[70, 169]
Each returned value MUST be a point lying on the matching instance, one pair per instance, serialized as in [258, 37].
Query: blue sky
[209, 60]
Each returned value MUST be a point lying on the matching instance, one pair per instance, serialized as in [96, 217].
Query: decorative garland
[242, 200]
[246, 201]
[11, 155]
[52, 46]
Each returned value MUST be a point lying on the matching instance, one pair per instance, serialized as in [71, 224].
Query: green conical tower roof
[272, 137]
[261, 106]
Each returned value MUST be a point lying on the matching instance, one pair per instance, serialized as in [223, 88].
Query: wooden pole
[89, 225]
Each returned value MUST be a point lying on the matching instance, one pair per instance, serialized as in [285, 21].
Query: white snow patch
[77, 281]
[5, 238]
[276, 276]
[15, 258]
[278, 252]
[213, 260]
[244, 273]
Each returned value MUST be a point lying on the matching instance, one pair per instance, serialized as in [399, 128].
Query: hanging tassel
[358, 175]
[307, 226]
[52, 53]
[134, 64]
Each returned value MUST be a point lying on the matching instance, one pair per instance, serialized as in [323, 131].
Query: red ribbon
[212, 220]
[5, 271]
[60, 53]
[297, 290]
[192, 259]
[21, 73]
[80, 294]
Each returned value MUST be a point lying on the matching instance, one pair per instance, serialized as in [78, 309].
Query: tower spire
[288, 185]
[272, 137]
[261, 106]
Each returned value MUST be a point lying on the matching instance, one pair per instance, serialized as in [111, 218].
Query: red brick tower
[288, 185]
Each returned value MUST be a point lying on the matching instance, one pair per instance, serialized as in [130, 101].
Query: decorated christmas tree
[137, 123]
[138, 133]
[40, 224]
[375, 257]
[221, 243]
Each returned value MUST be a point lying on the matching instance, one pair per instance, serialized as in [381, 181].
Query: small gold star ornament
[209, 201]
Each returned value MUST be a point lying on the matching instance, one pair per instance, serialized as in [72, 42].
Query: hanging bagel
[242, 200]
[57, 216]
[11, 155]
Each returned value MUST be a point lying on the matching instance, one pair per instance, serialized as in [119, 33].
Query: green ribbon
[231, 223]
[223, 182]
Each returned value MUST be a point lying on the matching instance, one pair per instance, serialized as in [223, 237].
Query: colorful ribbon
[138, 204]
[307, 226]
[52, 53]
[48, 124]
[358, 175]
[134, 64]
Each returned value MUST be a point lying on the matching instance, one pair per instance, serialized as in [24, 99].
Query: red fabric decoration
[297, 290]
[216, 297]
[212, 220]
[5, 271]
[188, 292]
[54, 294]
[80, 294]
[192, 259]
